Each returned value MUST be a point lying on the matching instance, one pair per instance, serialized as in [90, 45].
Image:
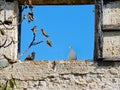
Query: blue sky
[66, 25]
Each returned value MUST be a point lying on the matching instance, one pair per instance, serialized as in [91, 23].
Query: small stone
[3, 63]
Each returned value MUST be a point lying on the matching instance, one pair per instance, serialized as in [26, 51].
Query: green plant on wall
[2, 86]
[13, 83]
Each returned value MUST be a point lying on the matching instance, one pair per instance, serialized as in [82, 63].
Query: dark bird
[30, 57]
[34, 30]
[49, 43]
[10, 61]
[72, 54]
[44, 33]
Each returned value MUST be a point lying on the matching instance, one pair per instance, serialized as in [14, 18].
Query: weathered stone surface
[9, 11]
[27, 70]
[111, 45]
[111, 13]
[62, 75]
[3, 63]
[72, 66]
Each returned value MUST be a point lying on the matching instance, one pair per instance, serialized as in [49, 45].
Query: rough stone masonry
[61, 75]
[57, 75]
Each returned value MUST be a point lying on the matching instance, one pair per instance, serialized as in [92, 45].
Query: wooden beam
[117, 59]
[111, 28]
[59, 2]
[98, 31]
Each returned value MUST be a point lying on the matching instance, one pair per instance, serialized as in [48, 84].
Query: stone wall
[111, 33]
[61, 75]
[46, 75]
[9, 19]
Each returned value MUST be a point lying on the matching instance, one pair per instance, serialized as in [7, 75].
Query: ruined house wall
[58, 75]
[62, 75]
[9, 15]
[111, 32]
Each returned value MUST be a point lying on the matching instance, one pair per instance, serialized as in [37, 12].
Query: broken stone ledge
[38, 70]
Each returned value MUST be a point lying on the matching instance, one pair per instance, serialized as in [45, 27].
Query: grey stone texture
[62, 75]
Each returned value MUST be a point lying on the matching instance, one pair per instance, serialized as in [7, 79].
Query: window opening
[67, 25]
